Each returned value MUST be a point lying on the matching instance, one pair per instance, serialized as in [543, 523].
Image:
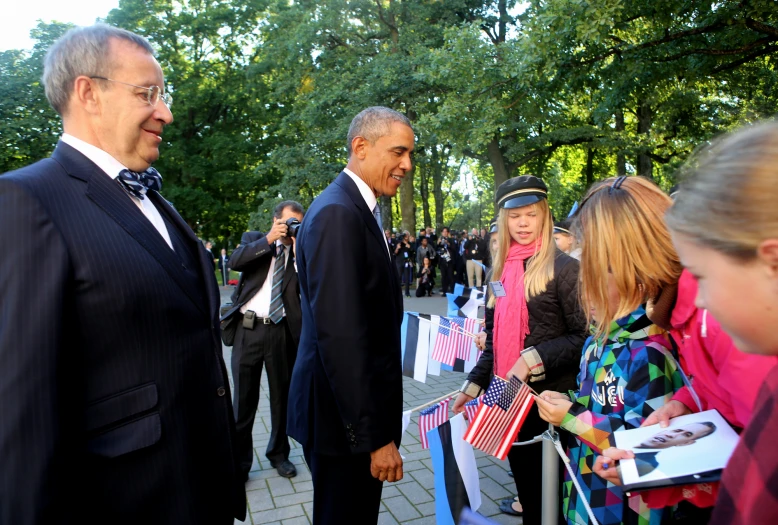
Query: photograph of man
[345, 403]
[267, 300]
[224, 269]
[112, 369]
[647, 462]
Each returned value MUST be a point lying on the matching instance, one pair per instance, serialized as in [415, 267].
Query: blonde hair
[540, 267]
[729, 202]
[624, 234]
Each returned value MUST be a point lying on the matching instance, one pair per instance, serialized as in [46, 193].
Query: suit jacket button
[220, 391]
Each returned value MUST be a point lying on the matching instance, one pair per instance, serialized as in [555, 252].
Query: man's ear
[359, 147]
[85, 94]
[767, 252]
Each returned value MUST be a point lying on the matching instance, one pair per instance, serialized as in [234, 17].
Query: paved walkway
[273, 499]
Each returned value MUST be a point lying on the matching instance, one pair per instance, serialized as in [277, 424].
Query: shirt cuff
[537, 372]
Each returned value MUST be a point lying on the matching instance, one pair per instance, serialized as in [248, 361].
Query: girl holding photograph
[628, 368]
[534, 325]
[725, 228]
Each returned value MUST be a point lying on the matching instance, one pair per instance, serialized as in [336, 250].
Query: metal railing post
[550, 482]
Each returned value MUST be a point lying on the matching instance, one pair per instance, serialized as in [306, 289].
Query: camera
[293, 225]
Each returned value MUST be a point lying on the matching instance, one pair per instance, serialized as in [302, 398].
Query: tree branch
[761, 27]
[718, 52]
[739, 62]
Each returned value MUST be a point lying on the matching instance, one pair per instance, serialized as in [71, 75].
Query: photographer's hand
[278, 231]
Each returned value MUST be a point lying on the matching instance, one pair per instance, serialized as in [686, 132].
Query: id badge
[497, 289]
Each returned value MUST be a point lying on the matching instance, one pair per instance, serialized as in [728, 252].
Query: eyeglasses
[153, 93]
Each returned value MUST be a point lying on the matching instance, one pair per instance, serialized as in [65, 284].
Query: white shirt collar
[364, 189]
[104, 160]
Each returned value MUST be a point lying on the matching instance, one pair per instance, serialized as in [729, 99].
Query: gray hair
[81, 51]
[373, 123]
[281, 206]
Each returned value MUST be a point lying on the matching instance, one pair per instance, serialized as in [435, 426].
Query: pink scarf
[511, 317]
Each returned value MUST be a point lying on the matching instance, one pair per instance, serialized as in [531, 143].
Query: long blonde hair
[624, 233]
[540, 267]
[729, 202]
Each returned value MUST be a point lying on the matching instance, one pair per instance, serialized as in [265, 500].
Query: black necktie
[136, 184]
[276, 302]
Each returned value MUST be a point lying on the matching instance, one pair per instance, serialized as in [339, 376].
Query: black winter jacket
[557, 330]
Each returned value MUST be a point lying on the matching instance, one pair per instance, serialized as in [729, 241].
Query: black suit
[275, 346]
[111, 359]
[346, 394]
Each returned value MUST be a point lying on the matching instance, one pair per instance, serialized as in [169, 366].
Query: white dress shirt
[112, 167]
[370, 199]
[260, 303]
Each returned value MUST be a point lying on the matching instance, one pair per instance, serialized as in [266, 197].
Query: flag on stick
[498, 420]
[415, 346]
[445, 350]
[471, 408]
[456, 473]
[430, 418]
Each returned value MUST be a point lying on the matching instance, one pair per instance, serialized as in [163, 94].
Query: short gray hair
[81, 51]
[373, 123]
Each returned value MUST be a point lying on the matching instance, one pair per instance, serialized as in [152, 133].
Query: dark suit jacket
[346, 390]
[224, 264]
[112, 368]
[252, 258]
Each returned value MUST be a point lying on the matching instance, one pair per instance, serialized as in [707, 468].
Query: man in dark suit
[224, 266]
[345, 401]
[267, 303]
[111, 359]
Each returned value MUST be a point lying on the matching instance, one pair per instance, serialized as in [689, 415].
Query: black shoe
[506, 506]
[286, 469]
[510, 473]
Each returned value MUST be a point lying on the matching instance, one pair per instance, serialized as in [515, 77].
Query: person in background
[404, 259]
[565, 239]
[628, 369]
[224, 266]
[447, 252]
[209, 250]
[535, 331]
[426, 282]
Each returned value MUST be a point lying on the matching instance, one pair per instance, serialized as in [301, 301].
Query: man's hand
[278, 231]
[665, 413]
[552, 409]
[605, 464]
[459, 402]
[520, 370]
[386, 463]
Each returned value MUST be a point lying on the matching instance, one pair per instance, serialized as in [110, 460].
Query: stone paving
[275, 500]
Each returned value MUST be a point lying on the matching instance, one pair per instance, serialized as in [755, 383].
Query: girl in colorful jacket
[628, 368]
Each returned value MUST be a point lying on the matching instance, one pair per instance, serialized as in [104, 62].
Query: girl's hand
[605, 464]
[553, 410]
[665, 413]
[480, 340]
[459, 402]
[520, 369]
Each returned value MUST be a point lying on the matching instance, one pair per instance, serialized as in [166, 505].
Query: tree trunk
[621, 158]
[437, 187]
[497, 161]
[424, 190]
[589, 170]
[407, 204]
[386, 211]
[645, 165]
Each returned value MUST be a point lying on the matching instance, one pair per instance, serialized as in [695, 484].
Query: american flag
[463, 342]
[445, 350]
[498, 420]
[471, 408]
[430, 418]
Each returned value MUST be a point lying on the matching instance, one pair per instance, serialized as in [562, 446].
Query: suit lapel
[107, 194]
[352, 191]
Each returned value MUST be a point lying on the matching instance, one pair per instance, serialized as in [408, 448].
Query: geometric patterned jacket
[624, 377]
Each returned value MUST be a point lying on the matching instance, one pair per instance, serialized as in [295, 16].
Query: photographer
[404, 254]
[447, 252]
[269, 320]
[475, 252]
[425, 250]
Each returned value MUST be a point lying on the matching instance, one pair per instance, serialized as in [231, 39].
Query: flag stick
[530, 388]
[438, 400]
[460, 331]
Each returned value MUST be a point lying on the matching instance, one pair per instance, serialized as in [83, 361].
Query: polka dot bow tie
[137, 184]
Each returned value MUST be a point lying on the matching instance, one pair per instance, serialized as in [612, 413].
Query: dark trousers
[271, 345]
[406, 278]
[446, 276]
[527, 467]
[344, 491]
